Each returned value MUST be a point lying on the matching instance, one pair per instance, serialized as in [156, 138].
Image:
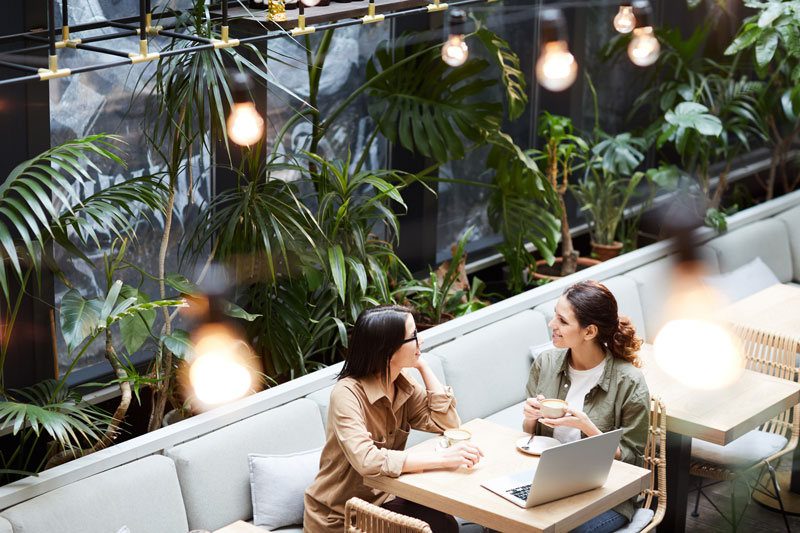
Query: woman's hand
[462, 453]
[573, 419]
[531, 412]
[420, 363]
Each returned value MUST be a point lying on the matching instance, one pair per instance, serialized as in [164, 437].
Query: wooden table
[459, 492]
[775, 309]
[719, 416]
[241, 526]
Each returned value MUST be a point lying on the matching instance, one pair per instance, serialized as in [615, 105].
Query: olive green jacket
[619, 400]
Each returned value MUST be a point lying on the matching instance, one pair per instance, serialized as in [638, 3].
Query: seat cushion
[510, 416]
[748, 449]
[213, 469]
[744, 281]
[143, 495]
[641, 517]
[5, 526]
[767, 239]
[488, 368]
[625, 291]
[791, 220]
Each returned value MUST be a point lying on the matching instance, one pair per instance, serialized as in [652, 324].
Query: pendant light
[455, 50]
[556, 68]
[624, 21]
[245, 124]
[644, 48]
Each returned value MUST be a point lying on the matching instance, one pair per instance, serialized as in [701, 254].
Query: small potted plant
[608, 184]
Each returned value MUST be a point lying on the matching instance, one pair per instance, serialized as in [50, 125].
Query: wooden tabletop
[459, 491]
[775, 309]
[241, 526]
[719, 415]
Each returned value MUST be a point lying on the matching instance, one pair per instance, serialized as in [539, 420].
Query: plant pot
[604, 252]
[583, 262]
[422, 325]
[172, 416]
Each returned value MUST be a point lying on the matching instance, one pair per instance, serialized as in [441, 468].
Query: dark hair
[377, 335]
[593, 303]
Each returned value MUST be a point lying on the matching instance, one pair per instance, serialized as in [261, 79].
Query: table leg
[679, 452]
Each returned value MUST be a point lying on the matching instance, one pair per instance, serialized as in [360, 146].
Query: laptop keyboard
[520, 492]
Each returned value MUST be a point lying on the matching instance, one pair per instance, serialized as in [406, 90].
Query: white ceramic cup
[553, 408]
[454, 436]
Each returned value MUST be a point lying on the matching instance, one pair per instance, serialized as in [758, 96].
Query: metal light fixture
[644, 48]
[245, 123]
[625, 21]
[692, 346]
[455, 50]
[556, 68]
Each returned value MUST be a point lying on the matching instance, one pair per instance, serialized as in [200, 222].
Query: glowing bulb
[692, 347]
[310, 3]
[644, 47]
[219, 371]
[556, 68]
[624, 21]
[455, 51]
[245, 125]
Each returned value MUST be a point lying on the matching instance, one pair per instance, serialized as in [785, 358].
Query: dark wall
[25, 123]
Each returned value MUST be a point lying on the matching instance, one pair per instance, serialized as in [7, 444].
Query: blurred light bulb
[556, 68]
[644, 48]
[455, 51]
[245, 124]
[624, 21]
[310, 3]
[219, 372]
[692, 347]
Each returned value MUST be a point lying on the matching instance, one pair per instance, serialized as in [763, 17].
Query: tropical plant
[772, 33]
[445, 293]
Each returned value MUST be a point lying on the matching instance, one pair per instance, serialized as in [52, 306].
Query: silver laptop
[562, 471]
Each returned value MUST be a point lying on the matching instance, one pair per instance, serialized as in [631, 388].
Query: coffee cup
[553, 408]
[454, 436]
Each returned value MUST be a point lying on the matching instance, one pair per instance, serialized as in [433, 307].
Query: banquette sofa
[195, 474]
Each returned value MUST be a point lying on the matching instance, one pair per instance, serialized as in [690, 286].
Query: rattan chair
[364, 517]
[774, 355]
[655, 458]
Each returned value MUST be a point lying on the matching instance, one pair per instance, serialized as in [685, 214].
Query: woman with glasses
[373, 407]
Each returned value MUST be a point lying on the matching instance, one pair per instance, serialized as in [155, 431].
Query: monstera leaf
[510, 72]
[424, 104]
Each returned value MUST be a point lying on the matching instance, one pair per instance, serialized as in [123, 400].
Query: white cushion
[767, 239]
[488, 368]
[536, 349]
[746, 280]
[639, 520]
[213, 471]
[124, 529]
[144, 495]
[748, 449]
[278, 484]
[791, 219]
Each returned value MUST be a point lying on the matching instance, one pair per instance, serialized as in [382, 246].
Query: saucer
[538, 444]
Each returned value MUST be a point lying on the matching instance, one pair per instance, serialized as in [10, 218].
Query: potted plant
[608, 184]
[559, 157]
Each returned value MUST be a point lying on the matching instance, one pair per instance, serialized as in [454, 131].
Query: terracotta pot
[604, 252]
[584, 262]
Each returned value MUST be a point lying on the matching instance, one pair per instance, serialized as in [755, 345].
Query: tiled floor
[756, 518]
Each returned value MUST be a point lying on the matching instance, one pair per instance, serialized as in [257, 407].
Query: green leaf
[179, 282]
[79, 317]
[336, 263]
[747, 36]
[178, 343]
[769, 15]
[765, 47]
[135, 329]
[237, 312]
[695, 116]
[510, 72]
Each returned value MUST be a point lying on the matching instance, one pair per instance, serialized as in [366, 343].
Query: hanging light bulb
[455, 50]
[624, 21]
[245, 124]
[223, 367]
[309, 3]
[556, 68]
[644, 48]
[693, 347]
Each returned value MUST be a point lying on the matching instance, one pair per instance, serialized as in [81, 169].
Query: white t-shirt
[582, 382]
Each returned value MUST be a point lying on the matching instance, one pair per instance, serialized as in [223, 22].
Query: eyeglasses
[414, 338]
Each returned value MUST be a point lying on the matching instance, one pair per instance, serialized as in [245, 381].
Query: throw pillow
[746, 280]
[536, 349]
[278, 484]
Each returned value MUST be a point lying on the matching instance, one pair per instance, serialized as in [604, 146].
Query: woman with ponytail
[594, 368]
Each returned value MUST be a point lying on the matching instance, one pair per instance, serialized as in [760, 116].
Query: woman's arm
[461, 454]
[432, 408]
[432, 383]
[531, 410]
